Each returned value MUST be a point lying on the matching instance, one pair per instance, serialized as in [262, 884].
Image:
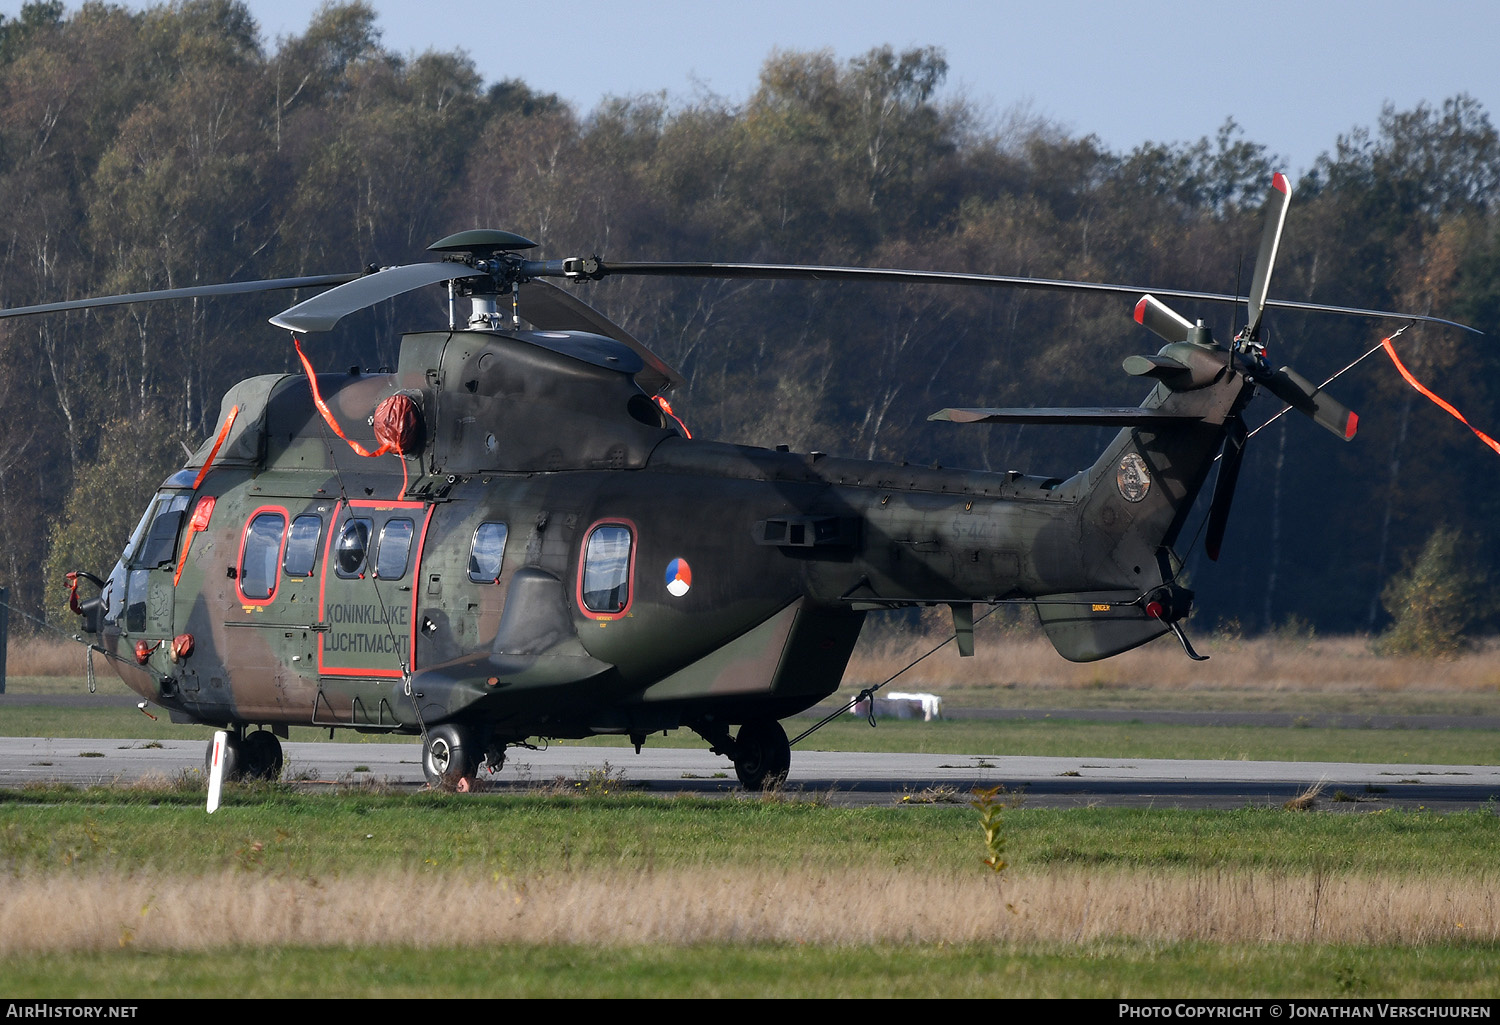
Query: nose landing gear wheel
[234, 759]
[762, 755]
[448, 758]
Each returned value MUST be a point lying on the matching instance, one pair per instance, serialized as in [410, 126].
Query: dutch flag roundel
[679, 577]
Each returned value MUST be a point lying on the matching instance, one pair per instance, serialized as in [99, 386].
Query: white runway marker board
[216, 771]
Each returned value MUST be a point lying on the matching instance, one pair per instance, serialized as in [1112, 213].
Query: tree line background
[171, 147]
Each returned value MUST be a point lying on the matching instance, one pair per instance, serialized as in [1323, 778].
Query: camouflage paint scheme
[545, 553]
[549, 434]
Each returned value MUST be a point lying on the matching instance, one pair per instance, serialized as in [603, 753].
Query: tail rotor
[1175, 365]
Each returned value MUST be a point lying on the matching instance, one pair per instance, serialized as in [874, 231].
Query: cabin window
[302, 546]
[353, 547]
[261, 554]
[606, 568]
[487, 553]
[394, 553]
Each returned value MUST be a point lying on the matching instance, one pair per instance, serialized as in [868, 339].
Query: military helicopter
[512, 536]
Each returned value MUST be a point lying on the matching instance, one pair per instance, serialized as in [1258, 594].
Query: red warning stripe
[1390, 350]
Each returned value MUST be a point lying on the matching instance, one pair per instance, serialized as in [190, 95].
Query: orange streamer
[199, 521]
[223, 433]
[1390, 350]
[667, 409]
[388, 446]
[187, 543]
[312, 379]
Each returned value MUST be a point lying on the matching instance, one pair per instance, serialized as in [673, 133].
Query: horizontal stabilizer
[1160, 367]
[1084, 416]
[1090, 625]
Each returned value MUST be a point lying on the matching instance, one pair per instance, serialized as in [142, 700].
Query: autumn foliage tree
[176, 146]
[1434, 601]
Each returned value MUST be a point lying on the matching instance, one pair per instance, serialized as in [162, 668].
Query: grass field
[1111, 969]
[134, 892]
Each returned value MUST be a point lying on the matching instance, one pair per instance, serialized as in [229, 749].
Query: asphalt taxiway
[839, 777]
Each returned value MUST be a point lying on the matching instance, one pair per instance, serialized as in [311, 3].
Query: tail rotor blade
[1277, 201]
[1307, 398]
[1229, 472]
[1157, 317]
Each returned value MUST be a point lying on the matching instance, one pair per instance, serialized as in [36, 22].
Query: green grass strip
[1118, 969]
[274, 829]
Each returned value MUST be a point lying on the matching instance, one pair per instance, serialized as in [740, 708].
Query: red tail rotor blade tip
[1279, 182]
[1351, 426]
[1140, 309]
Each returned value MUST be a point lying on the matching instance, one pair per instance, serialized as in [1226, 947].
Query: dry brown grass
[712, 905]
[43, 656]
[1020, 658]
[1010, 656]
[1308, 799]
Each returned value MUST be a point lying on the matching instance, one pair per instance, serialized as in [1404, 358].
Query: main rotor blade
[1229, 472]
[1085, 416]
[549, 308]
[782, 271]
[322, 312]
[1277, 202]
[189, 292]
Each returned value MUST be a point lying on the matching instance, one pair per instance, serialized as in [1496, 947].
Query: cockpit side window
[155, 539]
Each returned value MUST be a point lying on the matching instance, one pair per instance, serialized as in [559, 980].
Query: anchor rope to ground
[869, 692]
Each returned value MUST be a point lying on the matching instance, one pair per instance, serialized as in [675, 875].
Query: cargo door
[367, 601]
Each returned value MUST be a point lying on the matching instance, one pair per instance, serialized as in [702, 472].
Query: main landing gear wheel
[234, 759]
[449, 759]
[260, 756]
[762, 755]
